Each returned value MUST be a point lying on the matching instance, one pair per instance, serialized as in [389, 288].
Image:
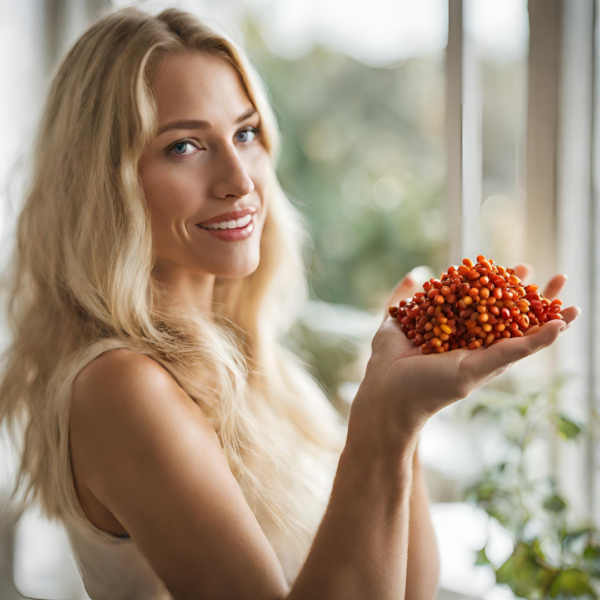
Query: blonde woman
[188, 454]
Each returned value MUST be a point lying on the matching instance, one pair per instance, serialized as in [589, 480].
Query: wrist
[386, 421]
[377, 469]
[380, 435]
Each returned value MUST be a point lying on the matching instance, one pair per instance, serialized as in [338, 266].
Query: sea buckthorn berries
[471, 305]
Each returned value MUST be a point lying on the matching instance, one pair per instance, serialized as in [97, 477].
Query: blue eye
[181, 145]
[250, 130]
[178, 148]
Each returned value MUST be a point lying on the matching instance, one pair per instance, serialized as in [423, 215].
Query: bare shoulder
[121, 401]
[118, 370]
[151, 458]
[121, 380]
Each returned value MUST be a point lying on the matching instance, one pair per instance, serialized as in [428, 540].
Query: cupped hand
[407, 387]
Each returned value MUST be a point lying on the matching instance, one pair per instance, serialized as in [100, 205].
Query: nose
[232, 179]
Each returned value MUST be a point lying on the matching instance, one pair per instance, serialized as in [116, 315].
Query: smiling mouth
[232, 224]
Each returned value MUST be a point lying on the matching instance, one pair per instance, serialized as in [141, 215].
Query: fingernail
[565, 276]
[409, 280]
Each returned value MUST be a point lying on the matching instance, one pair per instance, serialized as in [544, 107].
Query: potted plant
[555, 555]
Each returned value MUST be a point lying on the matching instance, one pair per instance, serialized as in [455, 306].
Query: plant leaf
[524, 575]
[567, 429]
[555, 504]
[590, 560]
[482, 558]
[572, 583]
[479, 409]
[485, 491]
[571, 536]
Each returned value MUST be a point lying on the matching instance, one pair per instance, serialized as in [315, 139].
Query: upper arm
[152, 458]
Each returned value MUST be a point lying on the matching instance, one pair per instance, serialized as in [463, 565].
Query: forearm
[360, 550]
[423, 557]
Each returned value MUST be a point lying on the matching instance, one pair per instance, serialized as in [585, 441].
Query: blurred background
[415, 134]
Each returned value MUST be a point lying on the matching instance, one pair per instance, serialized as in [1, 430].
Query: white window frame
[563, 195]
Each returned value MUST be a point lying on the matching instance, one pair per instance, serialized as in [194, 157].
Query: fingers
[555, 286]
[524, 271]
[570, 314]
[532, 329]
[389, 340]
[480, 365]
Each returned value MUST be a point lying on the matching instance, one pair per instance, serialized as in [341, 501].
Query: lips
[229, 216]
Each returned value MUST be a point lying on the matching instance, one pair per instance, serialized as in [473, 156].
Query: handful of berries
[471, 305]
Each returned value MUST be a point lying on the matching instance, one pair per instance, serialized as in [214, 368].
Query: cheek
[170, 191]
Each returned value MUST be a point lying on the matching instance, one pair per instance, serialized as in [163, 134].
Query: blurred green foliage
[363, 158]
[555, 554]
[328, 357]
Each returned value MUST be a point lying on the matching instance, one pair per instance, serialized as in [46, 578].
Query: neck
[181, 288]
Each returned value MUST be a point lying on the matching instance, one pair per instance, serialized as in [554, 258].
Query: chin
[240, 270]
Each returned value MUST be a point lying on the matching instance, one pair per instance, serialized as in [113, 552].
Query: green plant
[555, 555]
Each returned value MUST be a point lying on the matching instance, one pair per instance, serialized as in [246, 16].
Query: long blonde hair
[82, 271]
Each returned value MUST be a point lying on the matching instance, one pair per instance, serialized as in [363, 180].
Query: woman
[187, 453]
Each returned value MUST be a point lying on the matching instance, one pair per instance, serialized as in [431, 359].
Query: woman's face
[206, 165]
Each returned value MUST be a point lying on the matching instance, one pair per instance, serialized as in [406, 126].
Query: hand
[405, 388]
[406, 288]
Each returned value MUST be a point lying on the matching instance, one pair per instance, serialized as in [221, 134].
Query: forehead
[198, 86]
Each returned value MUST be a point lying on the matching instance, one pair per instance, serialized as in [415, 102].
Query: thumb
[409, 285]
[480, 365]
[403, 290]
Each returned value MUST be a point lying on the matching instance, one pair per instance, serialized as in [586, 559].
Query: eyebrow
[199, 124]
